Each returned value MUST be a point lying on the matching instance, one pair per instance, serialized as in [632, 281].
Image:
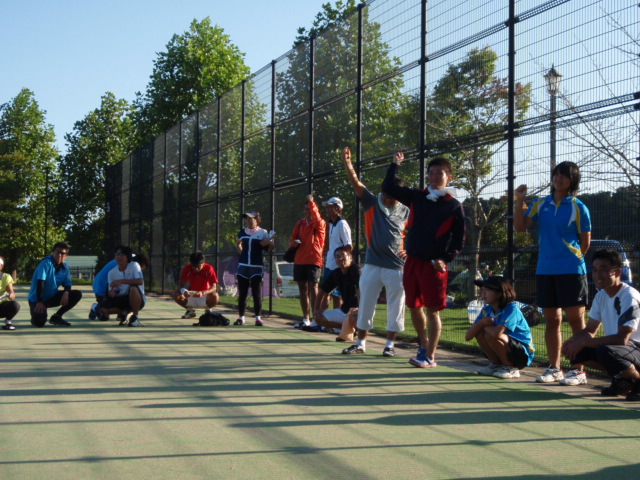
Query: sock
[361, 343]
[389, 344]
[258, 317]
[241, 318]
[313, 323]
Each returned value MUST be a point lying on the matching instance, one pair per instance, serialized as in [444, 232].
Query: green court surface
[173, 401]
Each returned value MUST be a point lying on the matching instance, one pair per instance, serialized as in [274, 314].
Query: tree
[197, 67]
[468, 105]
[27, 159]
[102, 138]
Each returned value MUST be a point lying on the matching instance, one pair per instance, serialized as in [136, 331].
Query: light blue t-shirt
[559, 229]
[53, 279]
[515, 325]
[100, 282]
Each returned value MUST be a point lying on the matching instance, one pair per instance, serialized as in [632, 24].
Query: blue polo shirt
[515, 325]
[53, 279]
[559, 227]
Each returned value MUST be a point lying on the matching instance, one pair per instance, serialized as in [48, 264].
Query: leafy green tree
[102, 138]
[27, 160]
[196, 68]
[468, 105]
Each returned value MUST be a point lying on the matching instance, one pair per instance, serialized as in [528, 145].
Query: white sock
[313, 323]
[258, 317]
[389, 344]
[361, 343]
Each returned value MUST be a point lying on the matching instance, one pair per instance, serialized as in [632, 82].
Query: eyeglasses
[59, 252]
[120, 254]
[604, 271]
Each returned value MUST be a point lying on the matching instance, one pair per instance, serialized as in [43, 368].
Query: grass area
[455, 323]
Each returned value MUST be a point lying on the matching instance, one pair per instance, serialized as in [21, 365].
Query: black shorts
[561, 291]
[307, 273]
[518, 354]
[121, 302]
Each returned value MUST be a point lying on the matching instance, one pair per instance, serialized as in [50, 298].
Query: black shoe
[58, 321]
[619, 386]
[123, 320]
[8, 326]
[38, 325]
[134, 322]
[389, 352]
[239, 322]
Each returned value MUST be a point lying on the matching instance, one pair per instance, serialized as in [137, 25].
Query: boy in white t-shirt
[617, 307]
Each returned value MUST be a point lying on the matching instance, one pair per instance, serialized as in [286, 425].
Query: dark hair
[196, 258]
[60, 245]
[572, 172]
[142, 260]
[610, 255]
[397, 181]
[343, 248]
[441, 162]
[126, 250]
[502, 286]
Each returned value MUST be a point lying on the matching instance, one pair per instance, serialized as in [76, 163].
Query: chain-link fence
[506, 90]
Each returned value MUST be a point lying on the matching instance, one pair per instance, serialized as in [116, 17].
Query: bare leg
[313, 295]
[552, 335]
[213, 299]
[435, 330]
[303, 288]
[420, 324]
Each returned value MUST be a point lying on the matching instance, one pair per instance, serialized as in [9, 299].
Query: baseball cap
[251, 214]
[333, 201]
[492, 283]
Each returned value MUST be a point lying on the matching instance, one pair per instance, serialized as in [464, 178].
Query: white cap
[333, 201]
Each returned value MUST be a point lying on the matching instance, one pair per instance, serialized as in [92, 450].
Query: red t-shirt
[199, 281]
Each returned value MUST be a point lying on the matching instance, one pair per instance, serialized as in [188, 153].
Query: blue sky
[70, 52]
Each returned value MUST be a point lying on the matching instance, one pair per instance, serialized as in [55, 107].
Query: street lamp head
[553, 78]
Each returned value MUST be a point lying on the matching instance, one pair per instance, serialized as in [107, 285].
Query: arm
[9, 290]
[402, 194]
[585, 241]
[582, 339]
[357, 185]
[477, 327]
[521, 223]
[457, 240]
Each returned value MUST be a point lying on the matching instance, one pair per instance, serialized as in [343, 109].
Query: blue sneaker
[422, 361]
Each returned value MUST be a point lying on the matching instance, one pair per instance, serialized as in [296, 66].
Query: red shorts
[423, 285]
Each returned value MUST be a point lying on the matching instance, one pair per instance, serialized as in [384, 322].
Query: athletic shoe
[189, 314]
[505, 371]
[340, 339]
[93, 313]
[551, 375]
[422, 361]
[353, 349]
[488, 370]
[259, 323]
[302, 323]
[38, 325]
[334, 331]
[102, 317]
[314, 328]
[58, 321]
[134, 322]
[574, 377]
[8, 326]
[123, 320]
[239, 322]
[389, 352]
[634, 394]
[619, 386]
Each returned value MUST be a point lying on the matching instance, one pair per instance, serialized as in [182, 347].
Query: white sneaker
[551, 375]
[506, 371]
[488, 370]
[574, 377]
[189, 314]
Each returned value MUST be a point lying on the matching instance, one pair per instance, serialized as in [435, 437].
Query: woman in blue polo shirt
[564, 235]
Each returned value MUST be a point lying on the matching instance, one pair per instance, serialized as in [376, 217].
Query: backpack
[212, 319]
[531, 313]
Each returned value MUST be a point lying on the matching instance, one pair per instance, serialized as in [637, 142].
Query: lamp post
[552, 78]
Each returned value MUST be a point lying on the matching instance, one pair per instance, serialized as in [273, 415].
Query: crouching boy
[501, 330]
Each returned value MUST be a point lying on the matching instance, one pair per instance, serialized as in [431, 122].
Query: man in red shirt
[198, 286]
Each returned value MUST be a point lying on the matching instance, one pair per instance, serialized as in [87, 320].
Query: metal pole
[552, 130]
[46, 209]
[511, 137]
[423, 92]
[273, 175]
[359, 124]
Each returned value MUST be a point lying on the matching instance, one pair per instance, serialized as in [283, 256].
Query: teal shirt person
[53, 276]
